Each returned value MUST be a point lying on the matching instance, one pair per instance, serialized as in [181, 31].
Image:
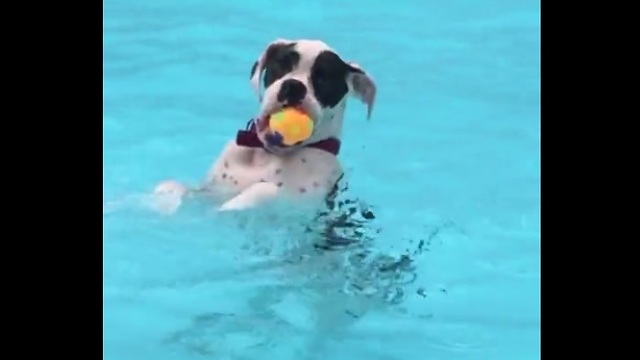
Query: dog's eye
[286, 61]
[275, 70]
[283, 61]
[279, 65]
[320, 76]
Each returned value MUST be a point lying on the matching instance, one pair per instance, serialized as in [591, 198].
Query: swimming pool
[449, 163]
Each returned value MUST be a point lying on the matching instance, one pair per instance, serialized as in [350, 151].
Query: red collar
[249, 138]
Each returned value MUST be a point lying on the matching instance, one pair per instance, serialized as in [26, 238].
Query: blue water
[451, 156]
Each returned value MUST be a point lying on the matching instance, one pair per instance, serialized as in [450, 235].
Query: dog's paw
[167, 196]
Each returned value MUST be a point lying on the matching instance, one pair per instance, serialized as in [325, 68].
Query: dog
[253, 168]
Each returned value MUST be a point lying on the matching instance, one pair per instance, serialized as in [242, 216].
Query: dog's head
[309, 75]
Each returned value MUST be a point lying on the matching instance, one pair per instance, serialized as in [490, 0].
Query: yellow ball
[292, 125]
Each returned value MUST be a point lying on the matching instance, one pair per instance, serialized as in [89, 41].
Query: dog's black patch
[329, 78]
[280, 60]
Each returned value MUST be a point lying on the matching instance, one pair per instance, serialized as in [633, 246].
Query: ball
[291, 125]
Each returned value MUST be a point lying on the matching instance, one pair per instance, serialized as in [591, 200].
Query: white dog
[253, 168]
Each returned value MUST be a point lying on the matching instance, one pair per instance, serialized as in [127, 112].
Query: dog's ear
[361, 85]
[258, 67]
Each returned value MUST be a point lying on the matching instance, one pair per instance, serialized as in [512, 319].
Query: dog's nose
[292, 92]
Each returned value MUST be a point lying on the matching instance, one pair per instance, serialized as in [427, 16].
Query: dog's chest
[306, 171]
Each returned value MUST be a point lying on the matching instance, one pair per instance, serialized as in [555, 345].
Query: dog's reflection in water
[336, 275]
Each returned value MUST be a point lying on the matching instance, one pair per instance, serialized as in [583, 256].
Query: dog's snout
[292, 92]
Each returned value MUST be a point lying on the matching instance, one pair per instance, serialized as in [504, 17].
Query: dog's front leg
[251, 196]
